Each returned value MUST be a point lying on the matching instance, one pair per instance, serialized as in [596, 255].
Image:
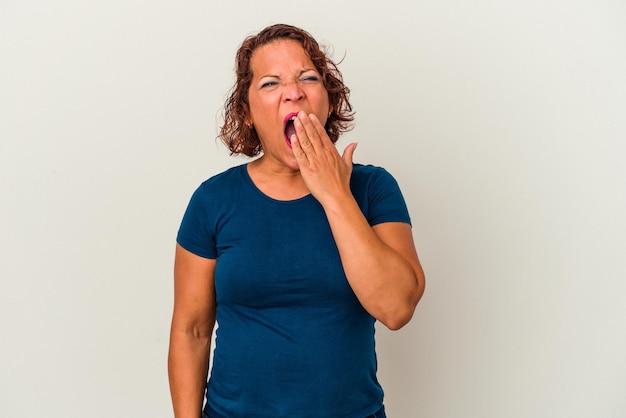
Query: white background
[503, 121]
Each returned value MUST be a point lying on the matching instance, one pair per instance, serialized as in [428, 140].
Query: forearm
[383, 271]
[188, 368]
[385, 282]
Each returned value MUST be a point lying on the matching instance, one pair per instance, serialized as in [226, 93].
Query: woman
[295, 254]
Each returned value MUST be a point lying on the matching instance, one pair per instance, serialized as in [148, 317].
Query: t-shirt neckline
[250, 182]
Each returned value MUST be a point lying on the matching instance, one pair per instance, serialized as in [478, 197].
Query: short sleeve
[378, 194]
[197, 232]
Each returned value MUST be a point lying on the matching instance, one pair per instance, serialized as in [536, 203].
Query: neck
[277, 181]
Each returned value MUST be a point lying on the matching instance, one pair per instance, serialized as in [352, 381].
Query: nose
[292, 92]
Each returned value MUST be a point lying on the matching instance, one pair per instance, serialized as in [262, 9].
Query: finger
[298, 152]
[319, 128]
[302, 134]
[348, 153]
[312, 133]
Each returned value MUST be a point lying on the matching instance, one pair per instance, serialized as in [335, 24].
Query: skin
[380, 262]
[190, 335]
[284, 81]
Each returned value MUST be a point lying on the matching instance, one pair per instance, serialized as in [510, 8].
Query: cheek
[321, 104]
[255, 110]
[328, 106]
[327, 109]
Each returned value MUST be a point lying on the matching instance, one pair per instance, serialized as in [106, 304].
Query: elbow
[395, 325]
[396, 320]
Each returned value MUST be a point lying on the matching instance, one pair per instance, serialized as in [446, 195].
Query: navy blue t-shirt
[292, 338]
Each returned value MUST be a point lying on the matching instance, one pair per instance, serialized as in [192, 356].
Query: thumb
[348, 152]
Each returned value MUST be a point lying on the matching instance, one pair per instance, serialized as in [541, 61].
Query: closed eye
[269, 84]
[310, 78]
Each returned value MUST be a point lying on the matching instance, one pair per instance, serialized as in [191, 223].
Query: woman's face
[284, 82]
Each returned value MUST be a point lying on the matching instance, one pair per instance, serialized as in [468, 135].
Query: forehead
[279, 56]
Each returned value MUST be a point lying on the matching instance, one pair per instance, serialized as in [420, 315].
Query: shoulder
[220, 185]
[367, 175]
[378, 195]
[217, 189]
[225, 178]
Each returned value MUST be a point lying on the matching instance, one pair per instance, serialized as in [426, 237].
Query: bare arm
[380, 262]
[190, 335]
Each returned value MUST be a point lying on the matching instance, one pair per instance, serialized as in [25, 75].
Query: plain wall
[503, 122]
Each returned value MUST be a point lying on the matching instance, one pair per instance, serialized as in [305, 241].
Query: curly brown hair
[239, 138]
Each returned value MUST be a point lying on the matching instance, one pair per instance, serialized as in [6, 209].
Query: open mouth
[289, 128]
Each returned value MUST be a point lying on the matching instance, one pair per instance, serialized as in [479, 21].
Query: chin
[292, 163]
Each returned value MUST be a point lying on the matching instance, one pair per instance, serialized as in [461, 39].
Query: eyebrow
[306, 70]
